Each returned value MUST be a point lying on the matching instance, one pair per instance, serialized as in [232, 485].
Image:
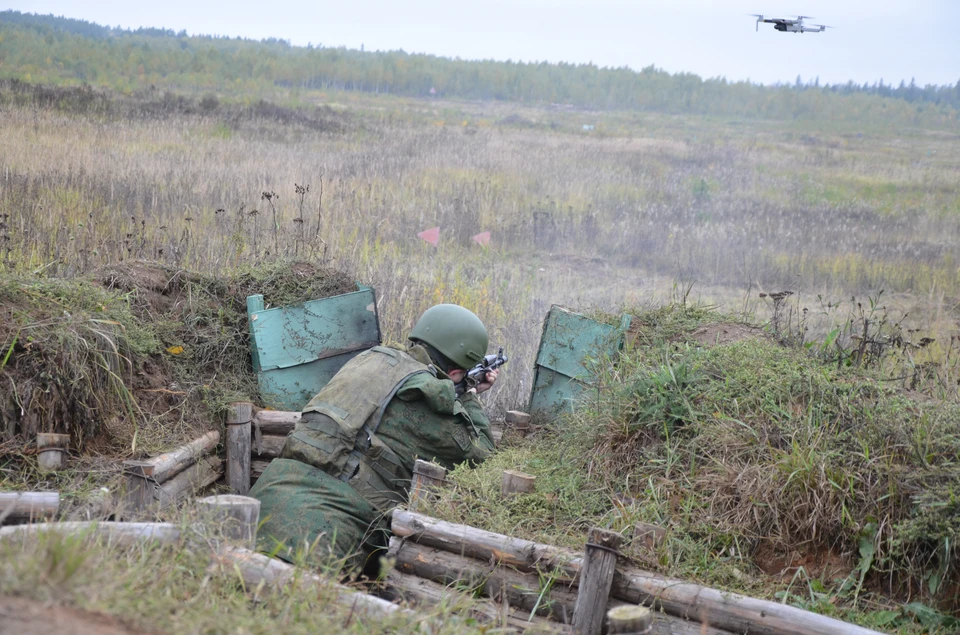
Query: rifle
[478, 373]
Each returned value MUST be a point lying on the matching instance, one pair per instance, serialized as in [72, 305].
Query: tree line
[57, 50]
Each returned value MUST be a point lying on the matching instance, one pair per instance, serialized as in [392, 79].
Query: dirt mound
[822, 564]
[723, 333]
[157, 289]
[800, 461]
[155, 104]
[154, 286]
[29, 617]
[138, 357]
[67, 356]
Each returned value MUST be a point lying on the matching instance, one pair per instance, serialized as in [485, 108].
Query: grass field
[642, 210]
[609, 217]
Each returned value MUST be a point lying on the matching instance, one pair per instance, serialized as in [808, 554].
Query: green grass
[53, 325]
[178, 589]
[734, 448]
[136, 357]
[743, 449]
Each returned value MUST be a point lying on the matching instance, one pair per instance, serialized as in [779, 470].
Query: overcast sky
[891, 40]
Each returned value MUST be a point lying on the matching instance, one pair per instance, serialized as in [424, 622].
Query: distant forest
[56, 50]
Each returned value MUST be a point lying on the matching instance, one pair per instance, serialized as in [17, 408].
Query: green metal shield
[297, 349]
[569, 343]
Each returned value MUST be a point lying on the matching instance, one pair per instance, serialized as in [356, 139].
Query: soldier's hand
[487, 384]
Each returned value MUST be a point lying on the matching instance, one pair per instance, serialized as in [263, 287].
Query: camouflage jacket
[383, 410]
[306, 504]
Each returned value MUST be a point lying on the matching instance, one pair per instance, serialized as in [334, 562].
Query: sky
[892, 40]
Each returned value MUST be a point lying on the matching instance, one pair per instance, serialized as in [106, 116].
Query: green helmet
[457, 333]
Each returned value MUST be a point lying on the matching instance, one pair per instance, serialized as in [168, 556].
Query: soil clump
[30, 617]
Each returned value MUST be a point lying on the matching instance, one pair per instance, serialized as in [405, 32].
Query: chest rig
[337, 432]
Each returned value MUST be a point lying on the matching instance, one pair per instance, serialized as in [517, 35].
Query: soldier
[349, 460]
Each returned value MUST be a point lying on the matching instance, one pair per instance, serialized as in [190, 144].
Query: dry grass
[765, 466]
[139, 356]
[606, 219]
[648, 208]
[179, 588]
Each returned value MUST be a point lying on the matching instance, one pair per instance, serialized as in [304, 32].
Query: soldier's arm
[474, 410]
[464, 411]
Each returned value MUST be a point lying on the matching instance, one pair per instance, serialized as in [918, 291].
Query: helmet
[455, 332]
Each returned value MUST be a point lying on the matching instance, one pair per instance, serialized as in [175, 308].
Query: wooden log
[28, 506]
[629, 620]
[163, 467]
[596, 578]
[256, 568]
[188, 482]
[427, 480]
[517, 418]
[504, 584]
[515, 482]
[483, 545]
[276, 422]
[270, 446]
[730, 611]
[239, 417]
[122, 534]
[522, 590]
[423, 592]
[239, 412]
[143, 496]
[51, 448]
[135, 497]
[727, 611]
[50, 460]
[518, 422]
[234, 517]
[256, 470]
[496, 432]
[49, 441]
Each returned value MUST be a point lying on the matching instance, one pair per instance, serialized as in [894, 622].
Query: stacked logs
[496, 564]
[499, 612]
[270, 430]
[170, 478]
[545, 594]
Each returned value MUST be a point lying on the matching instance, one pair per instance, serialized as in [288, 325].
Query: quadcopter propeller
[759, 18]
[825, 26]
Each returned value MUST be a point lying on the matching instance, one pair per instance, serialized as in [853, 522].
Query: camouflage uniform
[329, 492]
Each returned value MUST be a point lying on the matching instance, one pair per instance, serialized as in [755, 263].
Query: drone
[786, 25]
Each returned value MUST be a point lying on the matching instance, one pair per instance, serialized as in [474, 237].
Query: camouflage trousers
[306, 515]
